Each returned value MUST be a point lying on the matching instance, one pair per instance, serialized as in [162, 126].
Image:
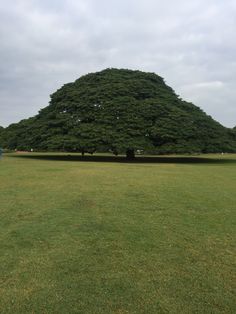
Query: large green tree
[121, 111]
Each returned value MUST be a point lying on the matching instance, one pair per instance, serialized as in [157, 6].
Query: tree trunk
[130, 154]
[82, 153]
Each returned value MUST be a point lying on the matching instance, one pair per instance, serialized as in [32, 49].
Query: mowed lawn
[113, 237]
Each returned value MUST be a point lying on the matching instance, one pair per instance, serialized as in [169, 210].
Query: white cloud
[45, 44]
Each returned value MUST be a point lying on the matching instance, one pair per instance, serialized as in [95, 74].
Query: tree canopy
[121, 111]
[1, 134]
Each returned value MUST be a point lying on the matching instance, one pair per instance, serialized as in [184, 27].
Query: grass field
[114, 237]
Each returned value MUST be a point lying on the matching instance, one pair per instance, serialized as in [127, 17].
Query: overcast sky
[46, 43]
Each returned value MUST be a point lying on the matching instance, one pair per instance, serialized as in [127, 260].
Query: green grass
[112, 237]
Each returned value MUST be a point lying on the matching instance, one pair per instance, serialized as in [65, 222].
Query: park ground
[107, 236]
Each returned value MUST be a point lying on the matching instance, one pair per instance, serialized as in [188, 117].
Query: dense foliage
[1, 133]
[120, 111]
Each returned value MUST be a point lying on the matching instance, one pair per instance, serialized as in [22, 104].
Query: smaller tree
[1, 131]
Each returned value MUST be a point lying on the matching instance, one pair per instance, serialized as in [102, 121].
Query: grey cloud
[45, 44]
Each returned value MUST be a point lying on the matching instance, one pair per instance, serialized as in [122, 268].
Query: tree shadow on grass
[122, 159]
